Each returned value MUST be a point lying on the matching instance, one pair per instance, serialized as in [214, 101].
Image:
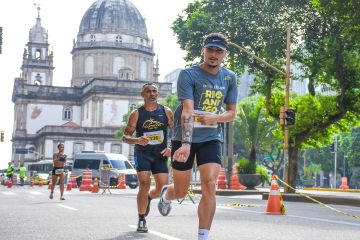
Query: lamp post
[283, 110]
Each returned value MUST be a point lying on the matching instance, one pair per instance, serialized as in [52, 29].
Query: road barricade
[86, 182]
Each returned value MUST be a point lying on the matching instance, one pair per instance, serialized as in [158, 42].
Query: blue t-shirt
[209, 93]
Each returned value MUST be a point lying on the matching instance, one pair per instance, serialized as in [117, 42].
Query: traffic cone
[95, 188]
[275, 204]
[221, 181]
[234, 180]
[31, 182]
[8, 183]
[86, 182]
[40, 182]
[73, 182]
[121, 181]
[344, 184]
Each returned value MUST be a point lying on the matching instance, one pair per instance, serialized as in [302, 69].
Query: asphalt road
[28, 213]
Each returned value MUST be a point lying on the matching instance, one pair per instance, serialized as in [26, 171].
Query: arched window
[37, 79]
[67, 116]
[118, 63]
[89, 65]
[38, 54]
[143, 70]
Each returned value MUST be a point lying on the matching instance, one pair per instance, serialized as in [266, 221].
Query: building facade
[112, 58]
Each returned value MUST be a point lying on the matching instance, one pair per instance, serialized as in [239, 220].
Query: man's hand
[166, 152]
[182, 153]
[143, 141]
[207, 119]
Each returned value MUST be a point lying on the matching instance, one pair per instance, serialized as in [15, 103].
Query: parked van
[114, 164]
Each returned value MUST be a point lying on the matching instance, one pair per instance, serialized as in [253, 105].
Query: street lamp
[283, 110]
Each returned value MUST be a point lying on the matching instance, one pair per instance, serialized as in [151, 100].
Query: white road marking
[8, 193]
[32, 197]
[162, 235]
[67, 207]
[36, 193]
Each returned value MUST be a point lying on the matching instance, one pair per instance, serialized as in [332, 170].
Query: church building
[112, 58]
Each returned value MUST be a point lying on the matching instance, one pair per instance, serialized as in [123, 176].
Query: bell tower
[37, 67]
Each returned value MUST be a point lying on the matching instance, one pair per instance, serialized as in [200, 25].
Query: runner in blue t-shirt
[202, 90]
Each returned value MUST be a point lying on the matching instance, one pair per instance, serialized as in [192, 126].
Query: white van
[95, 161]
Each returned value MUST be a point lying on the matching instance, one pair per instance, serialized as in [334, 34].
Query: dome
[113, 16]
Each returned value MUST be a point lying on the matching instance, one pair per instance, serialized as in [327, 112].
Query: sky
[62, 19]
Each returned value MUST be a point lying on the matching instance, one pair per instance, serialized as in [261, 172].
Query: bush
[243, 166]
[262, 170]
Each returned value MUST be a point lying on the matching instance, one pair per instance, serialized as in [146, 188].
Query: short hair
[149, 84]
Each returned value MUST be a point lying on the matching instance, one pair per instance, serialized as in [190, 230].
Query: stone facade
[112, 59]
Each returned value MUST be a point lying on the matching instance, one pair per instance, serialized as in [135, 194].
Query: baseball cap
[215, 41]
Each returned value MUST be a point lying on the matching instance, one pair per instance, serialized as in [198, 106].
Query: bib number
[156, 137]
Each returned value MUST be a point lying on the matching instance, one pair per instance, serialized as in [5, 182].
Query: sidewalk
[326, 197]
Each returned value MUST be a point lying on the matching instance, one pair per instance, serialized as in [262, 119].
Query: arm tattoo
[169, 133]
[188, 126]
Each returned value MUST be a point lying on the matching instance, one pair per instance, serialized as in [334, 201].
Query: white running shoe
[164, 207]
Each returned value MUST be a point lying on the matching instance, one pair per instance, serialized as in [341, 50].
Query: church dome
[113, 16]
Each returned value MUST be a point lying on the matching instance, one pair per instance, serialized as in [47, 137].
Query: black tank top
[154, 125]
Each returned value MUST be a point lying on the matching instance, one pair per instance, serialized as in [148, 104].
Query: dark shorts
[205, 152]
[54, 171]
[145, 161]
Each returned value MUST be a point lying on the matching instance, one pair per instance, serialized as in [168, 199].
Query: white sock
[165, 199]
[203, 234]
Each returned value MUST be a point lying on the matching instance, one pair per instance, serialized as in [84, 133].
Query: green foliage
[262, 170]
[311, 170]
[243, 167]
[171, 101]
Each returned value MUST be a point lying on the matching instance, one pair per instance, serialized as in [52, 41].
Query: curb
[337, 200]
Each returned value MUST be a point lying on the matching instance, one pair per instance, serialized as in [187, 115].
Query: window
[118, 63]
[92, 38]
[115, 148]
[143, 70]
[78, 147]
[67, 114]
[37, 54]
[118, 39]
[87, 163]
[98, 146]
[89, 65]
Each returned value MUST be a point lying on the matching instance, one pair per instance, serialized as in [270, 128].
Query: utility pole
[335, 159]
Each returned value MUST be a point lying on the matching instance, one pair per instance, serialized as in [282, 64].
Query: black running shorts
[145, 161]
[205, 152]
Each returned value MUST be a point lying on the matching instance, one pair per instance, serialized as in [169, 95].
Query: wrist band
[186, 142]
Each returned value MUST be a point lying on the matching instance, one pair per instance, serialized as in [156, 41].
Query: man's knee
[208, 187]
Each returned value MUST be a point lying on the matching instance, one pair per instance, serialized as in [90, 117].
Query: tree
[325, 40]
[253, 128]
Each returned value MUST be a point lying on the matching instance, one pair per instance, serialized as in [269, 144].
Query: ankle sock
[203, 234]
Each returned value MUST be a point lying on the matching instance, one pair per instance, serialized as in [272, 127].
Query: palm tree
[252, 128]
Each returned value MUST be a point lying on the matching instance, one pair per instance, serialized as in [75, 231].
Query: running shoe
[142, 226]
[164, 207]
[148, 206]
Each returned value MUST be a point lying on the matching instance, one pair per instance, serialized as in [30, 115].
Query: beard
[211, 65]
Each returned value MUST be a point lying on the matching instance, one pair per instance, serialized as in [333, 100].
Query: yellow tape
[318, 202]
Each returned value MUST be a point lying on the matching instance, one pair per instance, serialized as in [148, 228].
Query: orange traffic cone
[86, 182]
[275, 205]
[95, 188]
[121, 181]
[344, 184]
[73, 182]
[31, 182]
[234, 180]
[40, 182]
[9, 183]
[221, 181]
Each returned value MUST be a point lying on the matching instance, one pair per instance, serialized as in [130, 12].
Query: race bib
[156, 137]
[198, 124]
[59, 171]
